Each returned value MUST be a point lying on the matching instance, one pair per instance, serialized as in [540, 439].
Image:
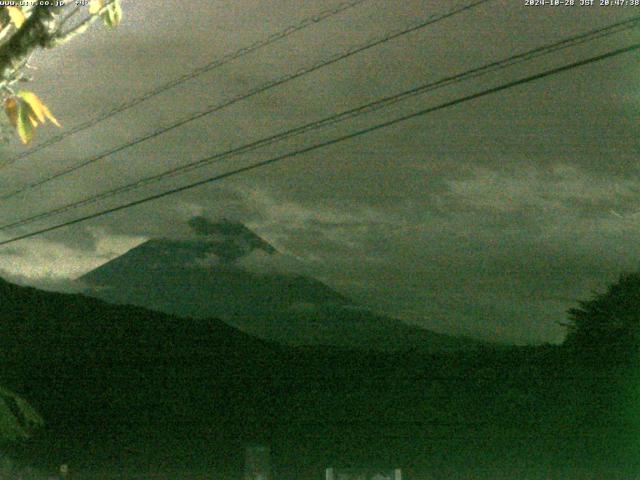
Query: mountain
[204, 276]
[227, 271]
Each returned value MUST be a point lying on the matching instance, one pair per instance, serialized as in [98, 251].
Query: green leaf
[25, 124]
[16, 422]
[113, 15]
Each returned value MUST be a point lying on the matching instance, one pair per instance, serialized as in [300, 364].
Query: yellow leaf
[11, 108]
[40, 110]
[16, 16]
[32, 118]
[49, 115]
[95, 6]
[34, 102]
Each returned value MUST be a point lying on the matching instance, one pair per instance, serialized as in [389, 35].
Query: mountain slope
[202, 277]
[208, 275]
[347, 327]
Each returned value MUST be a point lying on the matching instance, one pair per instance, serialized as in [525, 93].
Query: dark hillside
[124, 389]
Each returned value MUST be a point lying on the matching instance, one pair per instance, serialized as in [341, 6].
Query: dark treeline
[124, 390]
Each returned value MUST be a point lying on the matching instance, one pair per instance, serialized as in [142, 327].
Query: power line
[335, 118]
[274, 160]
[273, 38]
[255, 91]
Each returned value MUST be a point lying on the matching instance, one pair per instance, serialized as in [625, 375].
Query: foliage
[25, 110]
[23, 29]
[17, 417]
[609, 323]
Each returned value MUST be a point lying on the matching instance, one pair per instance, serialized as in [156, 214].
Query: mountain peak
[202, 226]
[222, 269]
[229, 240]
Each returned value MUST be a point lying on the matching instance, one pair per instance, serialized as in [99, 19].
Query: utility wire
[274, 160]
[255, 91]
[339, 117]
[273, 38]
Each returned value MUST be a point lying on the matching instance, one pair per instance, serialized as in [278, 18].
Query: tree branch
[68, 17]
[4, 31]
[37, 31]
[80, 28]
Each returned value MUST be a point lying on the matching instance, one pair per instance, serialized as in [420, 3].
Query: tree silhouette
[609, 323]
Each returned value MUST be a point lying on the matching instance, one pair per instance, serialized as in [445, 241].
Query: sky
[490, 218]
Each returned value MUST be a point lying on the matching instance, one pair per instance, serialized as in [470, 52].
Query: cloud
[42, 259]
[47, 282]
